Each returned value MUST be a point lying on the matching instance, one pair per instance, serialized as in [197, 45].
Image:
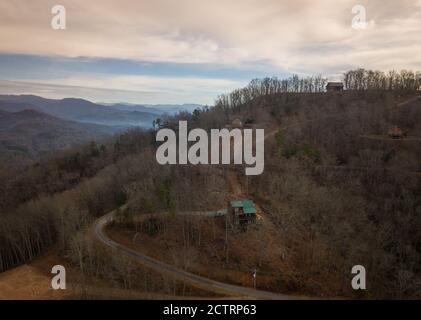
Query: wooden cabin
[242, 212]
[334, 87]
[235, 124]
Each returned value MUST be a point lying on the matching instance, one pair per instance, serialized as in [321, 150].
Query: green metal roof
[249, 210]
[247, 205]
[236, 204]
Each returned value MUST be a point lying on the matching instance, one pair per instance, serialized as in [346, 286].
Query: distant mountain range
[157, 109]
[31, 124]
[119, 114]
[77, 110]
[31, 132]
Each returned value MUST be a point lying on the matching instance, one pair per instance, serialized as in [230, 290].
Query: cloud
[215, 31]
[301, 36]
[134, 89]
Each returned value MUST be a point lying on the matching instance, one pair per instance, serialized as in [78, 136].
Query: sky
[190, 51]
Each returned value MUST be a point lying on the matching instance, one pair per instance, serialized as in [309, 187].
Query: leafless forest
[337, 188]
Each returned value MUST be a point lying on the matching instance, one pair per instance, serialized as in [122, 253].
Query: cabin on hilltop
[242, 212]
[236, 123]
[334, 86]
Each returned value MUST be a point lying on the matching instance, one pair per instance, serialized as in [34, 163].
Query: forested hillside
[27, 134]
[337, 187]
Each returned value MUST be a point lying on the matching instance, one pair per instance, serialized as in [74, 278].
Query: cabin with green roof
[242, 212]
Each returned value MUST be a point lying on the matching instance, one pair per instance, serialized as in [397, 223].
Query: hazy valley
[32, 125]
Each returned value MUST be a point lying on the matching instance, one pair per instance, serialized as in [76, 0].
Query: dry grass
[32, 281]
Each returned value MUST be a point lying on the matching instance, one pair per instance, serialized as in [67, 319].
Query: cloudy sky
[189, 51]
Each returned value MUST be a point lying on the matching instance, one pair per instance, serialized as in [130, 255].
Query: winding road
[190, 278]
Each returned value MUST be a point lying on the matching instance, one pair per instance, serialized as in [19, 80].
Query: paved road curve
[194, 280]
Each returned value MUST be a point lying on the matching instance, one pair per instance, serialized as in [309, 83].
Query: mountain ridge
[31, 132]
[77, 109]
